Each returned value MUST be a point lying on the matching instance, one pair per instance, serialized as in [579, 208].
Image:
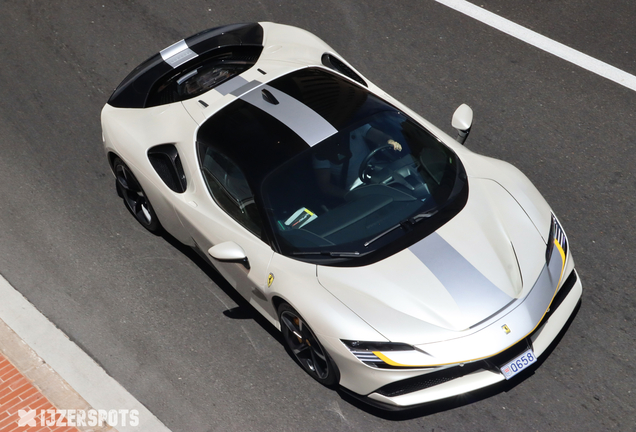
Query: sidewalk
[28, 383]
[47, 383]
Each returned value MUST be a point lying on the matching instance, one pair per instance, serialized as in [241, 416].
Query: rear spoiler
[134, 89]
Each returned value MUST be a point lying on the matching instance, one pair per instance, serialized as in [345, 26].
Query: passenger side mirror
[229, 252]
[462, 121]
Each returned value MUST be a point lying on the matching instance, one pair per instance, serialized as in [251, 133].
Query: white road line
[546, 44]
[67, 359]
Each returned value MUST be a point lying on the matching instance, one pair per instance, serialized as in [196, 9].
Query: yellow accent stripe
[562, 260]
[388, 361]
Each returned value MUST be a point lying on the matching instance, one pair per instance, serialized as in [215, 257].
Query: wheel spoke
[121, 179]
[288, 324]
[124, 174]
[139, 208]
[133, 186]
[122, 183]
[146, 213]
[319, 367]
[318, 354]
[302, 348]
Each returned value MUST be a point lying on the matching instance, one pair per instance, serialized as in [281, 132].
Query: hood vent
[336, 64]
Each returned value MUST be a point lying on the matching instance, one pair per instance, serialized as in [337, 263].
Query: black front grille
[504, 357]
[431, 379]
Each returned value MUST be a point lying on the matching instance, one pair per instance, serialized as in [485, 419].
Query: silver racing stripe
[301, 119]
[241, 89]
[236, 86]
[476, 296]
[177, 54]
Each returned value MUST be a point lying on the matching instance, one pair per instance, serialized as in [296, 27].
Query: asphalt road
[153, 316]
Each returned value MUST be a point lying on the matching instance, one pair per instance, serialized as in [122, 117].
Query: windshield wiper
[404, 224]
[424, 215]
[330, 253]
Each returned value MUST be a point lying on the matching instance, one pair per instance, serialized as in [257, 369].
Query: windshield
[372, 183]
[361, 189]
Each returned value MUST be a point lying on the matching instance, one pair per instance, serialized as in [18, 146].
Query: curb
[42, 378]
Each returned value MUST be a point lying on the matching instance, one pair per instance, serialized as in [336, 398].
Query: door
[224, 214]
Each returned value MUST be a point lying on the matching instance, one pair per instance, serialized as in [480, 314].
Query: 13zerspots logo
[72, 417]
[27, 418]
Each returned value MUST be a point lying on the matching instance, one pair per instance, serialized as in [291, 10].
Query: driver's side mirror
[229, 252]
[462, 121]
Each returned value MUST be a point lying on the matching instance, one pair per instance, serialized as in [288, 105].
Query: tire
[305, 347]
[134, 197]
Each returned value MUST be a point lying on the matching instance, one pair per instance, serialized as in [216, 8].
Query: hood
[453, 282]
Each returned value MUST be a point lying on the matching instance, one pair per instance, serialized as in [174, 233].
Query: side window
[230, 190]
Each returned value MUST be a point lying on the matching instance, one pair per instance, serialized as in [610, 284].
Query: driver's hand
[396, 145]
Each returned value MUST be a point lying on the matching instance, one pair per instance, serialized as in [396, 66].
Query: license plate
[518, 364]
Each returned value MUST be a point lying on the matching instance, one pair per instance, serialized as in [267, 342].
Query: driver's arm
[378, 138]
[396, 145]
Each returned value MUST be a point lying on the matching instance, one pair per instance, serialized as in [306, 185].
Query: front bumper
[456, 380]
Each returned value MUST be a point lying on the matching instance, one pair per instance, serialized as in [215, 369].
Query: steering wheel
[366, 168]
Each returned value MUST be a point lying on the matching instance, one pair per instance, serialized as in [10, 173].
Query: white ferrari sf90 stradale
[397, 263]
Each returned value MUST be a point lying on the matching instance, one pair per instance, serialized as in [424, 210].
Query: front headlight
[376, 354]
[556, 238]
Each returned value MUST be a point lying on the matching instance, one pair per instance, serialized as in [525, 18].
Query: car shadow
[245, 311]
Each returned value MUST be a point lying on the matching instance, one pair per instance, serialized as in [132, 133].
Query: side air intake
[165, 160]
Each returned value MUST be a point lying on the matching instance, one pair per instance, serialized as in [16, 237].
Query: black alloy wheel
[134, 196]
[304, 345]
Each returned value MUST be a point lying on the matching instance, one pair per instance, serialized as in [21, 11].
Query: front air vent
[431, 379]
[336, 64]
[166, 162]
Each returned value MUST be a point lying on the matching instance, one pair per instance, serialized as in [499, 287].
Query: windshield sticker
[300, 218]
